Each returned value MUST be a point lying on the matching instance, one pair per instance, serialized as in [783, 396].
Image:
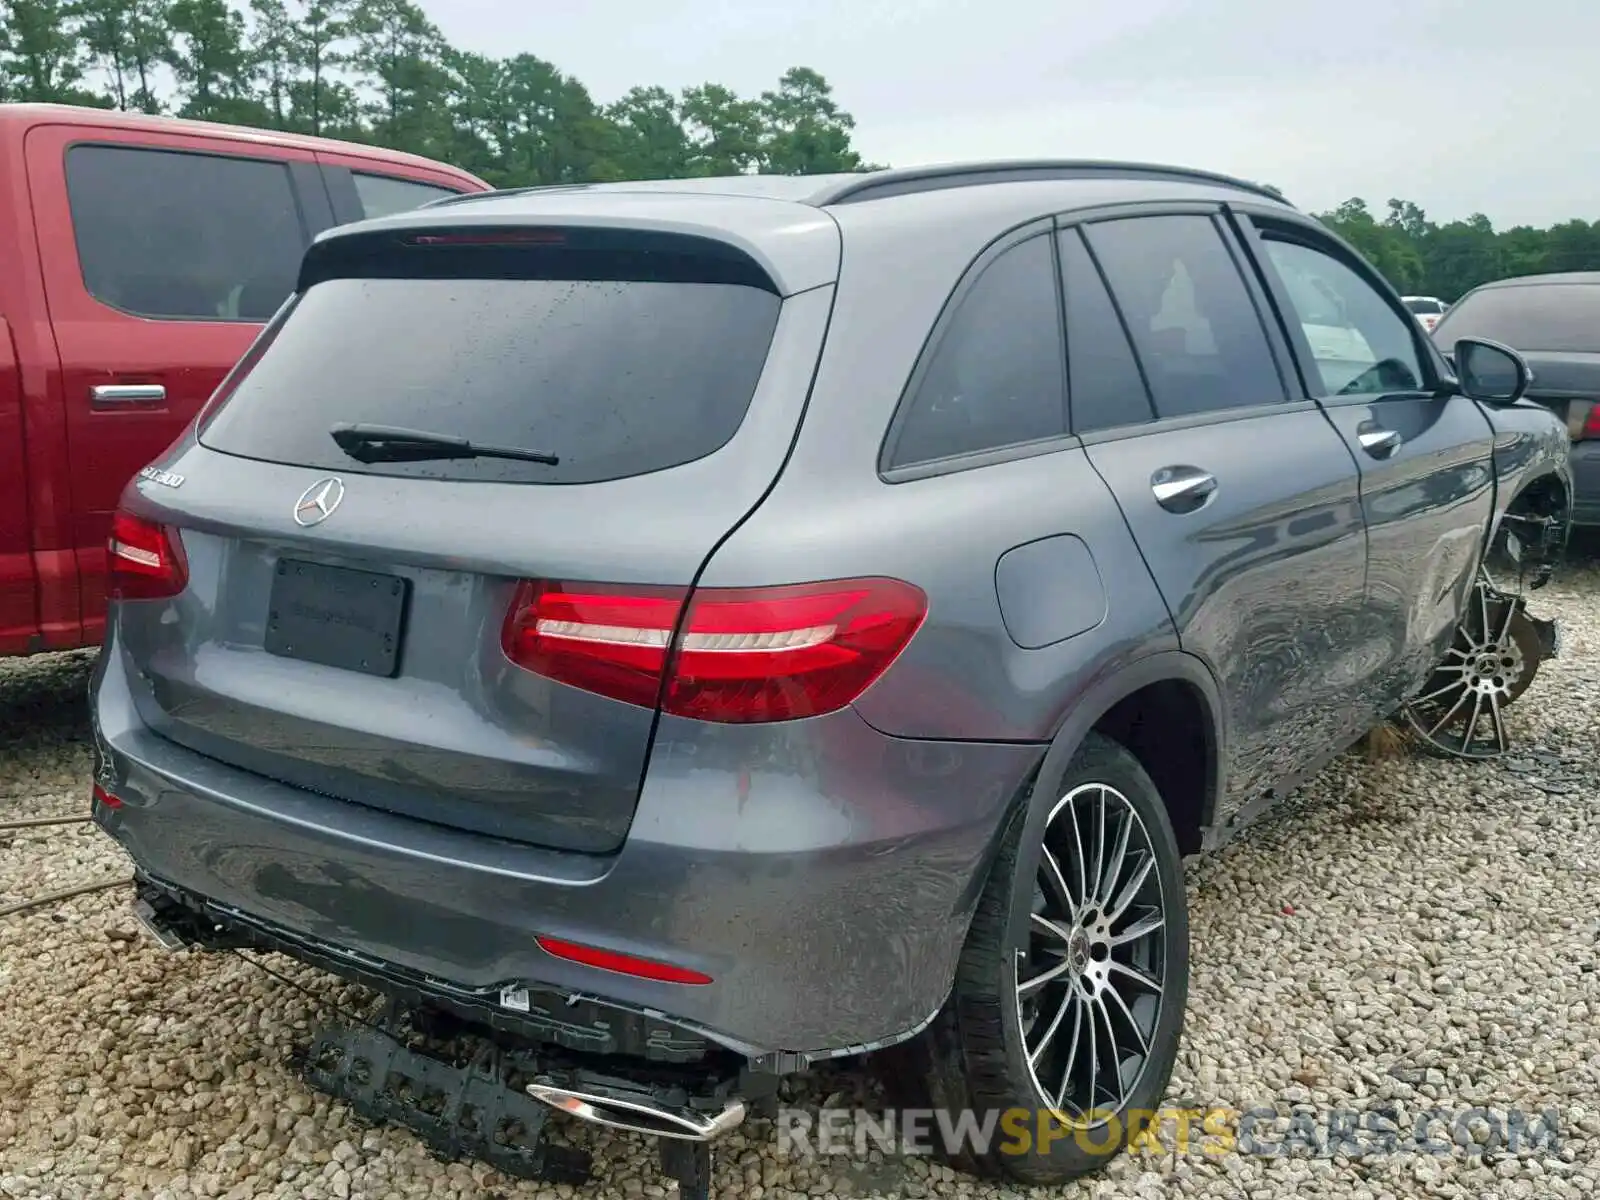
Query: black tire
[972, 1059]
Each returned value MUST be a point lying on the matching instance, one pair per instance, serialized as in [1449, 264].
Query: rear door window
[1195, 328]
[173, 235]
[383, 195]
[616, 378]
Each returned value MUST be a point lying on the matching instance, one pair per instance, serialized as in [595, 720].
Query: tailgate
[342, 622]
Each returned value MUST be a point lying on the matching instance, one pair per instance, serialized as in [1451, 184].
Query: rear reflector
[738, 655]
[101, 796]
[144, 560]
[625, 964]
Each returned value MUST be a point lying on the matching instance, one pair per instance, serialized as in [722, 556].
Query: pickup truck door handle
[1182, 489]
[127, 393]
[1378, 441]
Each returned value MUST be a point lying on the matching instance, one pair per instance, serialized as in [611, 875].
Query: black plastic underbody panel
[459, 1111]
[557, 1018]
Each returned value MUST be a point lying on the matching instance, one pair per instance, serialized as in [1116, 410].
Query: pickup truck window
[382, 195]
[184, 236]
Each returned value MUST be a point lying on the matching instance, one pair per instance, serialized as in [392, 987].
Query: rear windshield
[1424, 307]
[1545, 316]
[616, 378]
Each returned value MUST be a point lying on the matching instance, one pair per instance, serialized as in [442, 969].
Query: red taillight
[625, 964]
[603, 639]
[741, 655]
[144, 560]
[1591, 424]
[772, 654]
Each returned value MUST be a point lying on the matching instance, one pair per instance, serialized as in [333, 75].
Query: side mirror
[1490, 372]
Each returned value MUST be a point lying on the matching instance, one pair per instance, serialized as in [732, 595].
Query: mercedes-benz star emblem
[317, 502]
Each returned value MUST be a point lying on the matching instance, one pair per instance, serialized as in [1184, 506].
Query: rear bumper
[1586, 483]
[821, 873]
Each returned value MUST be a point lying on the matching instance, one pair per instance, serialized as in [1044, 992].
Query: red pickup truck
[139, 256]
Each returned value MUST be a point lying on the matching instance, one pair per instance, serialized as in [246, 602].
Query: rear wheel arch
[975, 1055]
[1137, 707]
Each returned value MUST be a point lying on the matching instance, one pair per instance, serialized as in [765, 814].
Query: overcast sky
[1460, 105]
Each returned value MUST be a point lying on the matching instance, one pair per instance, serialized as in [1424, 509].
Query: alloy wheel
[1089, 979]
[1461, 710]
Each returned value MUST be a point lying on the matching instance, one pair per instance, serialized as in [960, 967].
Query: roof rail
[901, 181]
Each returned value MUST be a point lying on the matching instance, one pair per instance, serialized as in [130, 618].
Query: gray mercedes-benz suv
[699, 629]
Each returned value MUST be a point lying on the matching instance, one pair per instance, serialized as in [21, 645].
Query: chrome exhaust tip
[164, 936]
[638, 1116]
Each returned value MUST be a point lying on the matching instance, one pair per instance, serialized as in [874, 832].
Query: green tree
[724, 131]
[1573, 246]
[400, 54]
[319, 101]
[105, 29]
[1383, 245]
[146, 36]
[215, 68]
[126, 40]
[272, 35]
[531, 123]
[380, 71]
[804, 131]
[651, 141]
[44, 53]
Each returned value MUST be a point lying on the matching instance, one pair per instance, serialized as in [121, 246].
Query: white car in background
[1427, 309]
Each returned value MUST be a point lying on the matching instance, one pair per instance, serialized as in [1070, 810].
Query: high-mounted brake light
[489, 237]
[737, 655]
[144, 560]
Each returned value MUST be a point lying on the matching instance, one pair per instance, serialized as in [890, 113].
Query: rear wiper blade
[385, 443]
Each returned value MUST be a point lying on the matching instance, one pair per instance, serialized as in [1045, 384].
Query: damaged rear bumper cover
[827, 911]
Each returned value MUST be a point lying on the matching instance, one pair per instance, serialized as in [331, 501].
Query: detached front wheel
[1495, 655]
[1059, 1037]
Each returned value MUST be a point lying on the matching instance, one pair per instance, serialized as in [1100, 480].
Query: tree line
[1423, 258]
[379, 71]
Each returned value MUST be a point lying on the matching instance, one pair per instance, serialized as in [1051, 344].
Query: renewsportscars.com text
[1213, 1132]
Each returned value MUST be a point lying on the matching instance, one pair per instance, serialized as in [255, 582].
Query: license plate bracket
[336, 617]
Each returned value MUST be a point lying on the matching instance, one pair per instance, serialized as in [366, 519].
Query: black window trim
[1278, 346]
[888, 472]
[1076, 231]
[341, 185]
[293, 178]
[1257, 226]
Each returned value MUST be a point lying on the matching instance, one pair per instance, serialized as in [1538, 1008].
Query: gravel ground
[1412, 934]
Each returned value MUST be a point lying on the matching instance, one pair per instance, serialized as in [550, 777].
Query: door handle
[128, 393]
[1379, 442]
[1182, 489]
